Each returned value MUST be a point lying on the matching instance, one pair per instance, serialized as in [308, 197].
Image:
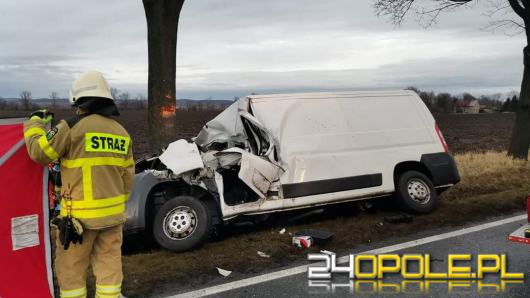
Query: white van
[269, 153]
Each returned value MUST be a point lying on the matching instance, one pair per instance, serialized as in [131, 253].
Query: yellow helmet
[90, 84]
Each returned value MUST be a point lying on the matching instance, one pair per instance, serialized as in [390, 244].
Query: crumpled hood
[225, 128]
[181, 156]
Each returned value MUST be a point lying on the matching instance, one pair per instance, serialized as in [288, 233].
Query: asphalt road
[491, 240]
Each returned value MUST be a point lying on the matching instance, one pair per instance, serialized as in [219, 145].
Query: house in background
[467, 107]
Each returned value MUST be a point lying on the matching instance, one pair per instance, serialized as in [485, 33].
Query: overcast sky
[234, 47]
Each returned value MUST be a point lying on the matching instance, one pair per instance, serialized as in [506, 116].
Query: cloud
[441, 74]
[227, 48]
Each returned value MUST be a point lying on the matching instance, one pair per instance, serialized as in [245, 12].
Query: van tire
[415, 192]
[182, 223]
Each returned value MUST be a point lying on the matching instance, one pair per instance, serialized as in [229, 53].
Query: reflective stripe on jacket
[97, 166]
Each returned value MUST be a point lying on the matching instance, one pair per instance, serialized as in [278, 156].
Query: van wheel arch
[405, 166]
[165, 191]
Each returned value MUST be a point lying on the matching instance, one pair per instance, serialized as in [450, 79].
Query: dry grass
[489, 172]
[491, 185]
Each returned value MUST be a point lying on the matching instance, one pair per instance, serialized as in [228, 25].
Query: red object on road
[302, 241]
[25, 252]
[521, 235]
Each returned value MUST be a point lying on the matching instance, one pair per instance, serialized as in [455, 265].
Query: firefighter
[97, 172]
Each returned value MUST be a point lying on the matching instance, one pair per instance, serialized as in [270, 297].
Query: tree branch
[518, 8]
[503, 17]
[506, 23]
[398, 9]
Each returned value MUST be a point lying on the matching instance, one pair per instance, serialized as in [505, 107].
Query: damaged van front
[225, 173]
[269, 153]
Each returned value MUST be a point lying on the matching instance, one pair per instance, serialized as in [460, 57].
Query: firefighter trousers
[101, 248]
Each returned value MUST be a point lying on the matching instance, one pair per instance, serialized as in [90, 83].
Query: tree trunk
[162, 26]
[520, 142]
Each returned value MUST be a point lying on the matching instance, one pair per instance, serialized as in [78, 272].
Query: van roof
[329, 95]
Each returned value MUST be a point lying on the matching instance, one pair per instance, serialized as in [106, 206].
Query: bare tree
[140, 101]
[124, 99]
[428, 12]
[208, 104]
[53, 97]
[502, 16]
[114, 92]
[25, 100]
[162, 26]
[141, 97]
[445, 102]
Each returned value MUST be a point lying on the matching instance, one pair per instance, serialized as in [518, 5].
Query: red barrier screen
[25, 254]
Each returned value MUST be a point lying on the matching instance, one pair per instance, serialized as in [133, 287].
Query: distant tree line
[436, 102]
[449, 103]
[510, 105]
[124, 100]
[25, 102]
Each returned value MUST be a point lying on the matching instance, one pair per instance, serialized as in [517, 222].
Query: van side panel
[343, 136]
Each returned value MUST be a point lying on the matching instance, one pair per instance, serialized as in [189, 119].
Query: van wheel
[415, 192]
[182, 223]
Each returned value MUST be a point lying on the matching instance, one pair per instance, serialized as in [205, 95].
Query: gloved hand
[43, 115]
[70, 230]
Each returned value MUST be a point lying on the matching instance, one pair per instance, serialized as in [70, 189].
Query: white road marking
[302, 269]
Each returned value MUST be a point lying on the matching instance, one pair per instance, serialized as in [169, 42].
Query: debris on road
[223, 272]
[302, 241]
[263, 255]
[282, 231]
[399, 218]
[319, 237]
